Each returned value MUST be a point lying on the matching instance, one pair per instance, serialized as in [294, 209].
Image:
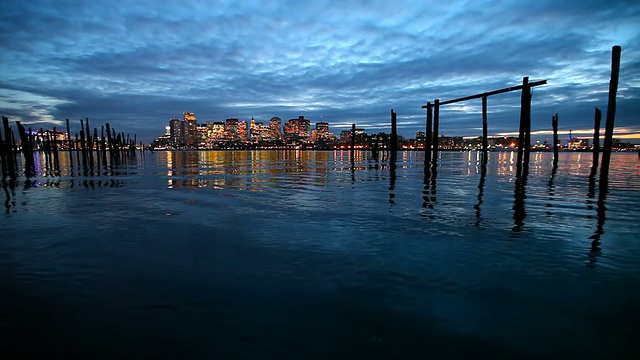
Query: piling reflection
[483, 176]
[601, 209]
[392, 182]
[429, 184]
[550, 185]
[9, 186]
[519, 211]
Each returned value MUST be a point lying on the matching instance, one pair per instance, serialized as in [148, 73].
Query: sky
[138, 63]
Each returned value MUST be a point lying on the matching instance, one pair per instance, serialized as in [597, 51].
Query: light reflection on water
[238, 252]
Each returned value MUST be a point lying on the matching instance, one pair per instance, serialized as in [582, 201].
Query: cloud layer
[136, 64]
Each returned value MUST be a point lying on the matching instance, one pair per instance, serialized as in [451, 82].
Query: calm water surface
[292, 254]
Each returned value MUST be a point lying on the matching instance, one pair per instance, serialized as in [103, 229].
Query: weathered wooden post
[45, 149]
[110, 142]
[394, 138]
[428, 138]
[436, 130]
[7, 153]
[353, 145]
[56, 159]
[77, 152]
[611, 114]
[95, 140]
[104, 146]
[526, 91]
[522, 127]
[27, 149]
[89, 144]
[485, 140]
[596, 142]
[554, 124]
[3, 159]
[83, 144]
[69, 146]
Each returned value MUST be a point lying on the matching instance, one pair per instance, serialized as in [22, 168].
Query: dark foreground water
[277, 255]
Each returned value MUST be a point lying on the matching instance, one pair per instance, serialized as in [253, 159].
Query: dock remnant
[393, 139]
[554, 125]
[611, 114]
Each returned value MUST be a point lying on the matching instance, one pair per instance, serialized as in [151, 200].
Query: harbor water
[302, 254]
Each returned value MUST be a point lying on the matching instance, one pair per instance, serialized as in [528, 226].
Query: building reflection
[247, 170]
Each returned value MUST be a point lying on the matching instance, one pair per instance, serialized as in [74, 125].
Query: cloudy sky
[138, 63]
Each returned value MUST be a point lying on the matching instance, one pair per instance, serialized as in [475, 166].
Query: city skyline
[302, 133]
[131, 64]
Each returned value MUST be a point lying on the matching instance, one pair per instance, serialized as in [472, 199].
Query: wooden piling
[554, 124]
[428, 137]
[109, 142]
[77, 152]
[69, 147]
[3, 160]
[89, 143]
[353, 145]
[394, 138]
[596, 142]
[103, 143]
[83, 144]
[611, 114]
[526, 91]
[54, 150]
[27, 149]
[95, 137]
[485, 140]
[522, 127]
[7, 152]
[436, 130]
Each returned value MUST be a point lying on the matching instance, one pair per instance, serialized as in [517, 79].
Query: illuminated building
[176, 131]
[243, 130]
[297, 129]
[190, 128]
[275, 128]
[231, 129]
[215, 130]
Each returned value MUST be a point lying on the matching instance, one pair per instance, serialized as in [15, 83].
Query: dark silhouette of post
[523, 127]
[436, 129]
[7, 151]
[83, 145]
[27, 150]
[394, 138]
[69, 146]
[103, 143]
[90, 141]
[54, 150]
[427, 144]
[485, 130]
[353, 144]
[77, 152]
[611, 114]
[110, 143]
[3, 160]
[596, 142]
[554, 124]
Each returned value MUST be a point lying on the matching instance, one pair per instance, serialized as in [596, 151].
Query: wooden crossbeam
[485, 94]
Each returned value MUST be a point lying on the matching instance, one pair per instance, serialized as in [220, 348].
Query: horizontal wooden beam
[486, 94]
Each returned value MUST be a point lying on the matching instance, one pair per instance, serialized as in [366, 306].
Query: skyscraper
[176, 131]
[275, 127]
[190, 128]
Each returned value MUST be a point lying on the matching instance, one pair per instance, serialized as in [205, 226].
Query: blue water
[292, 254]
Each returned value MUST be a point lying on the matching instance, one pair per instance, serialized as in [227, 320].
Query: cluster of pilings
[90, 150]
